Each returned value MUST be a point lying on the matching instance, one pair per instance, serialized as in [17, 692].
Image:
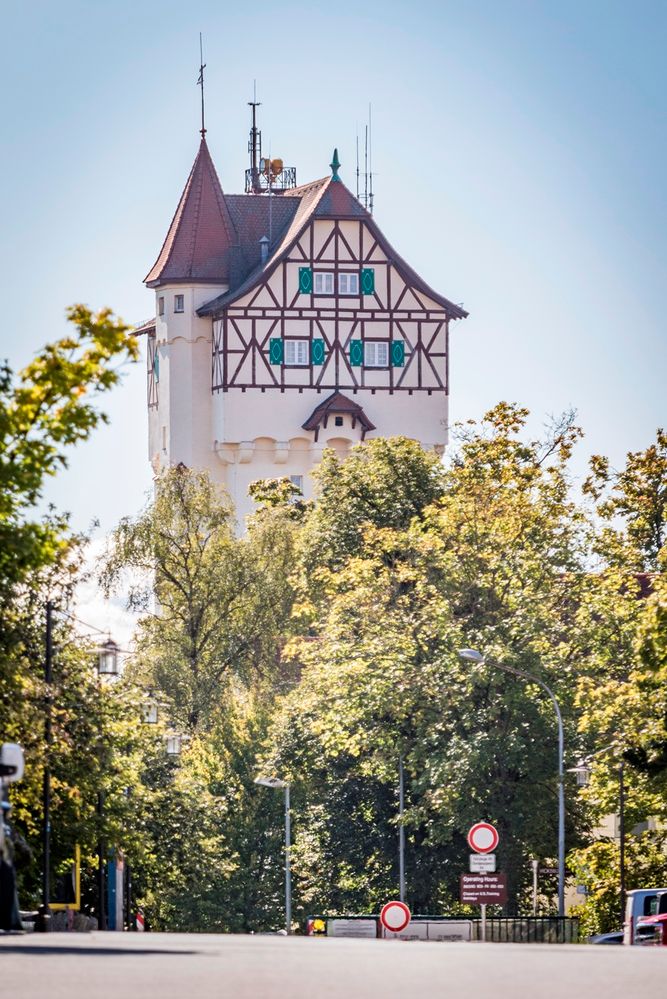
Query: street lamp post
[275, 782]
[472, 655]
[583, 775]
[401, 831]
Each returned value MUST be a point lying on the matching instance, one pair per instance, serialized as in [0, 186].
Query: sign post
[482, 886]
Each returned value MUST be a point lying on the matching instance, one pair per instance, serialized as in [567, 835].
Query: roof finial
[335, 163]
[200, 83]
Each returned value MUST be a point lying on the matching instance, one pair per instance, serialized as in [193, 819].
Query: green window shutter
[276, 351]
[367, 281]
[305, 280]
[156, 366]
[356, 353]
[317, 352]
[397, 353]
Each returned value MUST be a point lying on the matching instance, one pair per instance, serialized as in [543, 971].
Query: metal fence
[528, 929]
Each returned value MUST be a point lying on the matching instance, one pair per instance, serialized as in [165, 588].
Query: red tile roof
[201, 237]
[337, 403]
[215, 238]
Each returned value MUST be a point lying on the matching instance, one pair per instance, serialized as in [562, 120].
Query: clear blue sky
[519, 150]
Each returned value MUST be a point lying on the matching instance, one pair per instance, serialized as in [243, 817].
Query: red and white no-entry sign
[483, 837]
[395, 916]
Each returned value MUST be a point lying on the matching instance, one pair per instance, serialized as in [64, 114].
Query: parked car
[607, 938]
[651, 930]
[641, 904]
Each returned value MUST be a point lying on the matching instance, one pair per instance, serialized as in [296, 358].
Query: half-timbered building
[285, 324]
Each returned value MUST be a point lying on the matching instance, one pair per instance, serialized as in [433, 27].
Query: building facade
[286, 323]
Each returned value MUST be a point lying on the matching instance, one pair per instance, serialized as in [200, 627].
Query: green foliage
[48, 407]
[216, 837]
[597, 868]
[385, 482]
[45, 409]
[222, 600]
[481, 556]
[637, 495]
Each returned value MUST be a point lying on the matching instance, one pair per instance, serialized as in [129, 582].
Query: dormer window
[348, 284]
[179, 303]
[324, 283]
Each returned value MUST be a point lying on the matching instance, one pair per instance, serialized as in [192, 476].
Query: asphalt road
[179, 966]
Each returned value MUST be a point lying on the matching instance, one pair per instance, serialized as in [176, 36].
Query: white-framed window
[296, 352]
[179, 303]
[160, 305]
[324, 282]
[376, 354]
[297, 480]
[348, 283]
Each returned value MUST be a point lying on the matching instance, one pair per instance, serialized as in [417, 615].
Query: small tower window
[296, 352]
[160, 305]
[339, 421]
[348, 284]
[297, 480]
[324, 283]
[376, 354]
[179, 303]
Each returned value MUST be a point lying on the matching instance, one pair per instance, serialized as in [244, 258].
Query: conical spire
[201, 234]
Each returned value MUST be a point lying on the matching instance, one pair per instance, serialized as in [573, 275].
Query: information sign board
[352, 928]
[482, 863]
[484, 889]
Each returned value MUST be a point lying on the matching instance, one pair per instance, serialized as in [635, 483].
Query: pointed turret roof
[201, 237]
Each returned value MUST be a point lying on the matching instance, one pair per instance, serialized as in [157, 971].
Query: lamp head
[270, 782]
[471, 655]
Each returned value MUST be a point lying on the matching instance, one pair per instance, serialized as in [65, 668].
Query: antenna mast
[255, 144]
[200, 83]
[366, 170]
[370, 163]
[357, 162]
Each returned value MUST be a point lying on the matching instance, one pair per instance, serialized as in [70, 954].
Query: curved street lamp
[275, 782]
[473, 656]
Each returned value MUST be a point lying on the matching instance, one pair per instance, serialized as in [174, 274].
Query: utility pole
[101, 850]
[46, 790]
[401, 831]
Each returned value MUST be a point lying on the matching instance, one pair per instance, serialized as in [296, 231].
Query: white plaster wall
[180, 429]
[246, 415]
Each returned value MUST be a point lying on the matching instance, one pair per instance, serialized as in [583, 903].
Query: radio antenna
[357, 162]
[366, 170]
[370, 162]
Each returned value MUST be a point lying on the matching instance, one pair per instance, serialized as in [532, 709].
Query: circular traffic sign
[483, 837]
[395, 916]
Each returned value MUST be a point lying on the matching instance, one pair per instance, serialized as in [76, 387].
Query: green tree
[490, 556]
[222, 601]
[597, 868]
[47, 408]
